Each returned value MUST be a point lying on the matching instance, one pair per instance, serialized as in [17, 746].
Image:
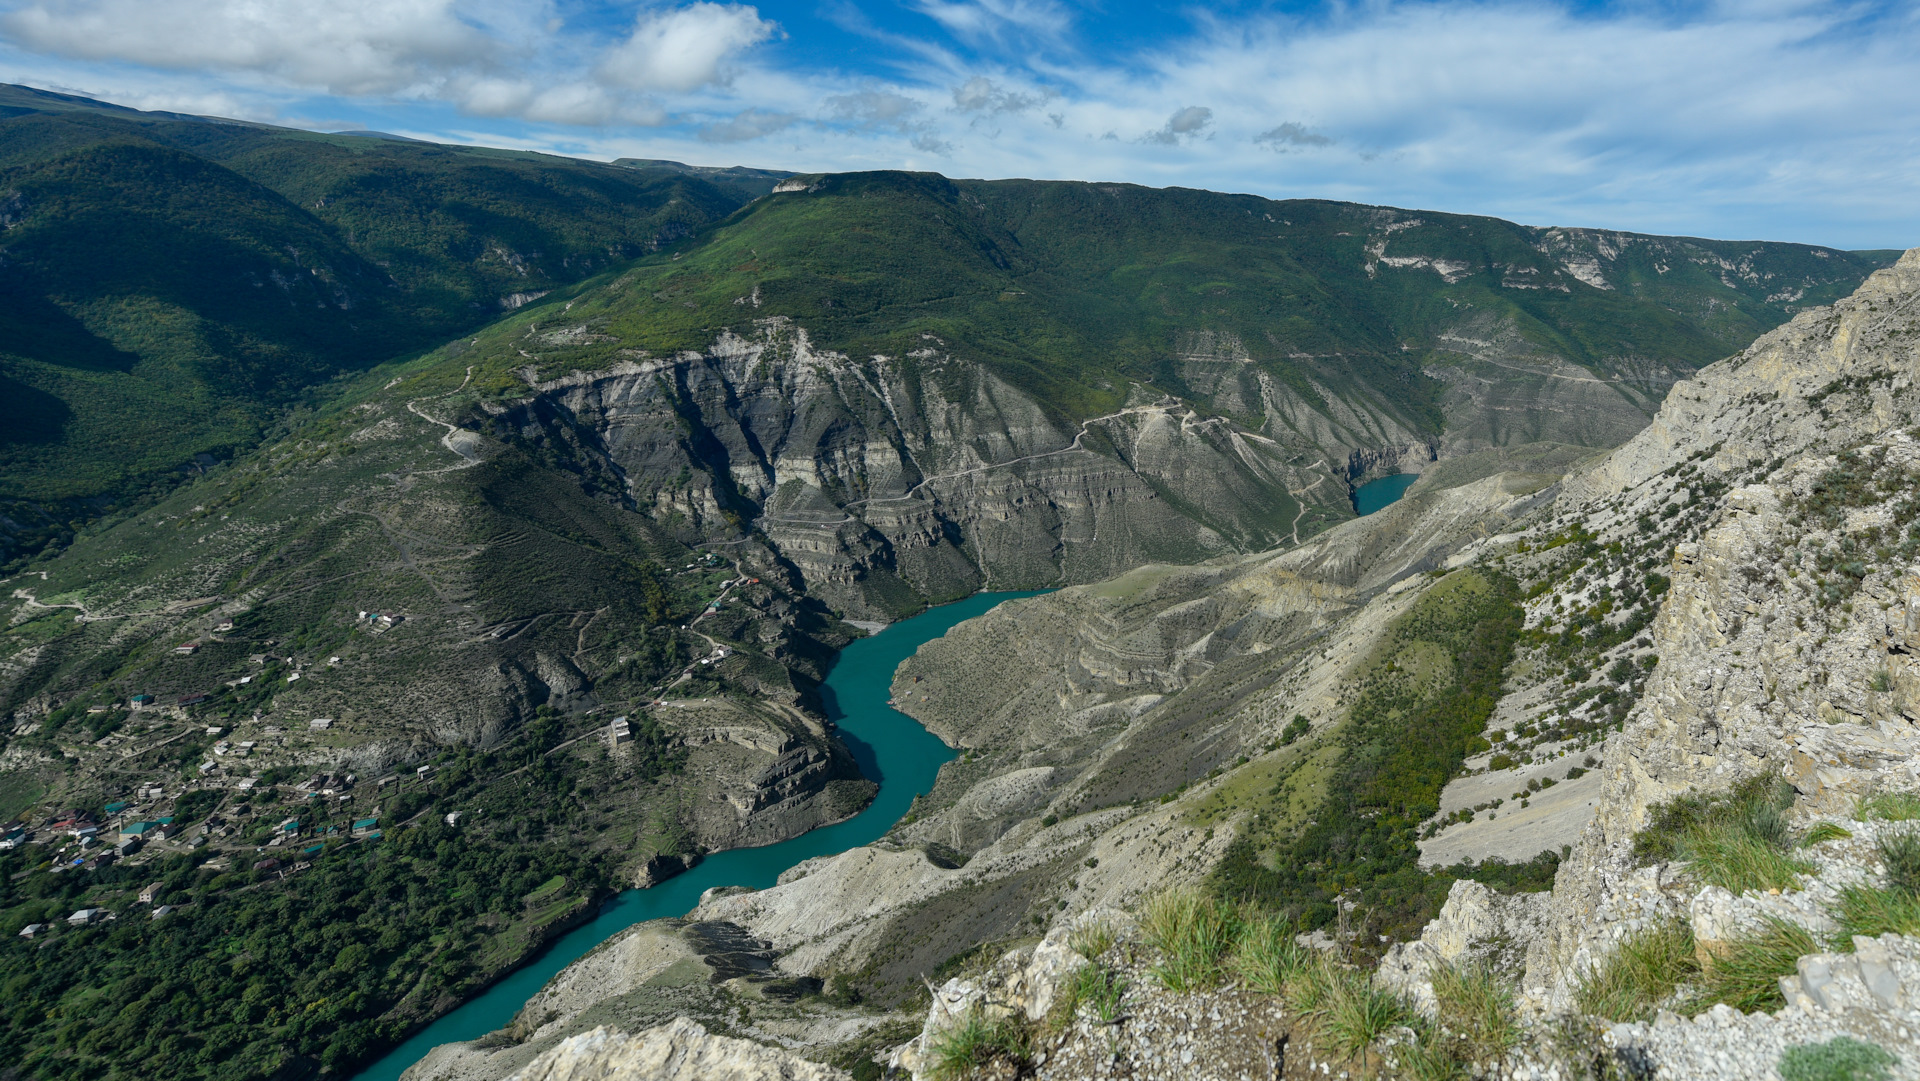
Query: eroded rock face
[886, 480]
[679, 1051]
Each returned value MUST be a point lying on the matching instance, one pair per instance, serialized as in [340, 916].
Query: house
[365, 825]
[291, 825]
[165, 831]
[387, 780]
[187, 648]
[215, 730]
[620, 731]
[223, 626]
[267, 864]
[163, 910]
[86, 916]
[453, 817]
[151, 891]
[192, 699]
[422, 772]
[116, 808]
[134, 831]
[320, 724]
[139, 700]
[128, 847]
[12, 841]
[32, 929]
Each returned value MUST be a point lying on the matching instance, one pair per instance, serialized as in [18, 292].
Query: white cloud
[349, 47]
[1792, 119]
[747, 124]
[980, 95]
[1183, 124]
[1291, 135]
[684, 49]
[496, 58]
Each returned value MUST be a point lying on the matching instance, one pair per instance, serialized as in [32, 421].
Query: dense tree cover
[170, 288]
[1411, 725]
[330, 965]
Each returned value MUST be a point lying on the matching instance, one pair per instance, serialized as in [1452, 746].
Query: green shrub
[1746, 974]
[1889, 807]
[1266, 956]
[1193, 933]
[1842, 1058]
[1641, 974]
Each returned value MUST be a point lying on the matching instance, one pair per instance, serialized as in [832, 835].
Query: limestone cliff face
[1759, 673]
[678, 1051]
[886, 479]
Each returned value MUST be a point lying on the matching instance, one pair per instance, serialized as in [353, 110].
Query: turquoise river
[891, 748]
[1375, 494]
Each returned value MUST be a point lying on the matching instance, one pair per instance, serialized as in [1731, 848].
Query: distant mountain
[173, 283]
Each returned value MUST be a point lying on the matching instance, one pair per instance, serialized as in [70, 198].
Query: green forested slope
[170, 287]
[1069, 288]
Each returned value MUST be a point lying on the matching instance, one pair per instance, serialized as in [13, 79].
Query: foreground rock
[678, 1051]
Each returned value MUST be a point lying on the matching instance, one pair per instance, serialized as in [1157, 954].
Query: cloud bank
[1790, 119]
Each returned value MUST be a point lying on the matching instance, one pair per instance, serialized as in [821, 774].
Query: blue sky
[1772, 119]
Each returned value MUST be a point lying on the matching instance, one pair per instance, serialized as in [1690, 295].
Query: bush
[1842, 1058]
[1641, 974]
[1193, 933]
[1825, 831]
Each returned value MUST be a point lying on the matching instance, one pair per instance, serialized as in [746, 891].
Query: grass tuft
[977, 1042]
[1864, 910]
[1746, 974]
[1842, 1058]
[1825, 831]
[1353, 1013]
[1900, 851]
[1476, 1011]
[1099, 988]
[1266, 956]
[1193, 933]
[1093, 940]
[1888, 807]
[1641, 975]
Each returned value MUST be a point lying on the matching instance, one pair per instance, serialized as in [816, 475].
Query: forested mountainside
[345, 456]
[173, 285]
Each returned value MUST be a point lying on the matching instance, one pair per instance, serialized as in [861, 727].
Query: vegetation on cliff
[1424, 698]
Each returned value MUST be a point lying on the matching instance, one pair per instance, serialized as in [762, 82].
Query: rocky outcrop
[679, 1051]
[889, 479]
